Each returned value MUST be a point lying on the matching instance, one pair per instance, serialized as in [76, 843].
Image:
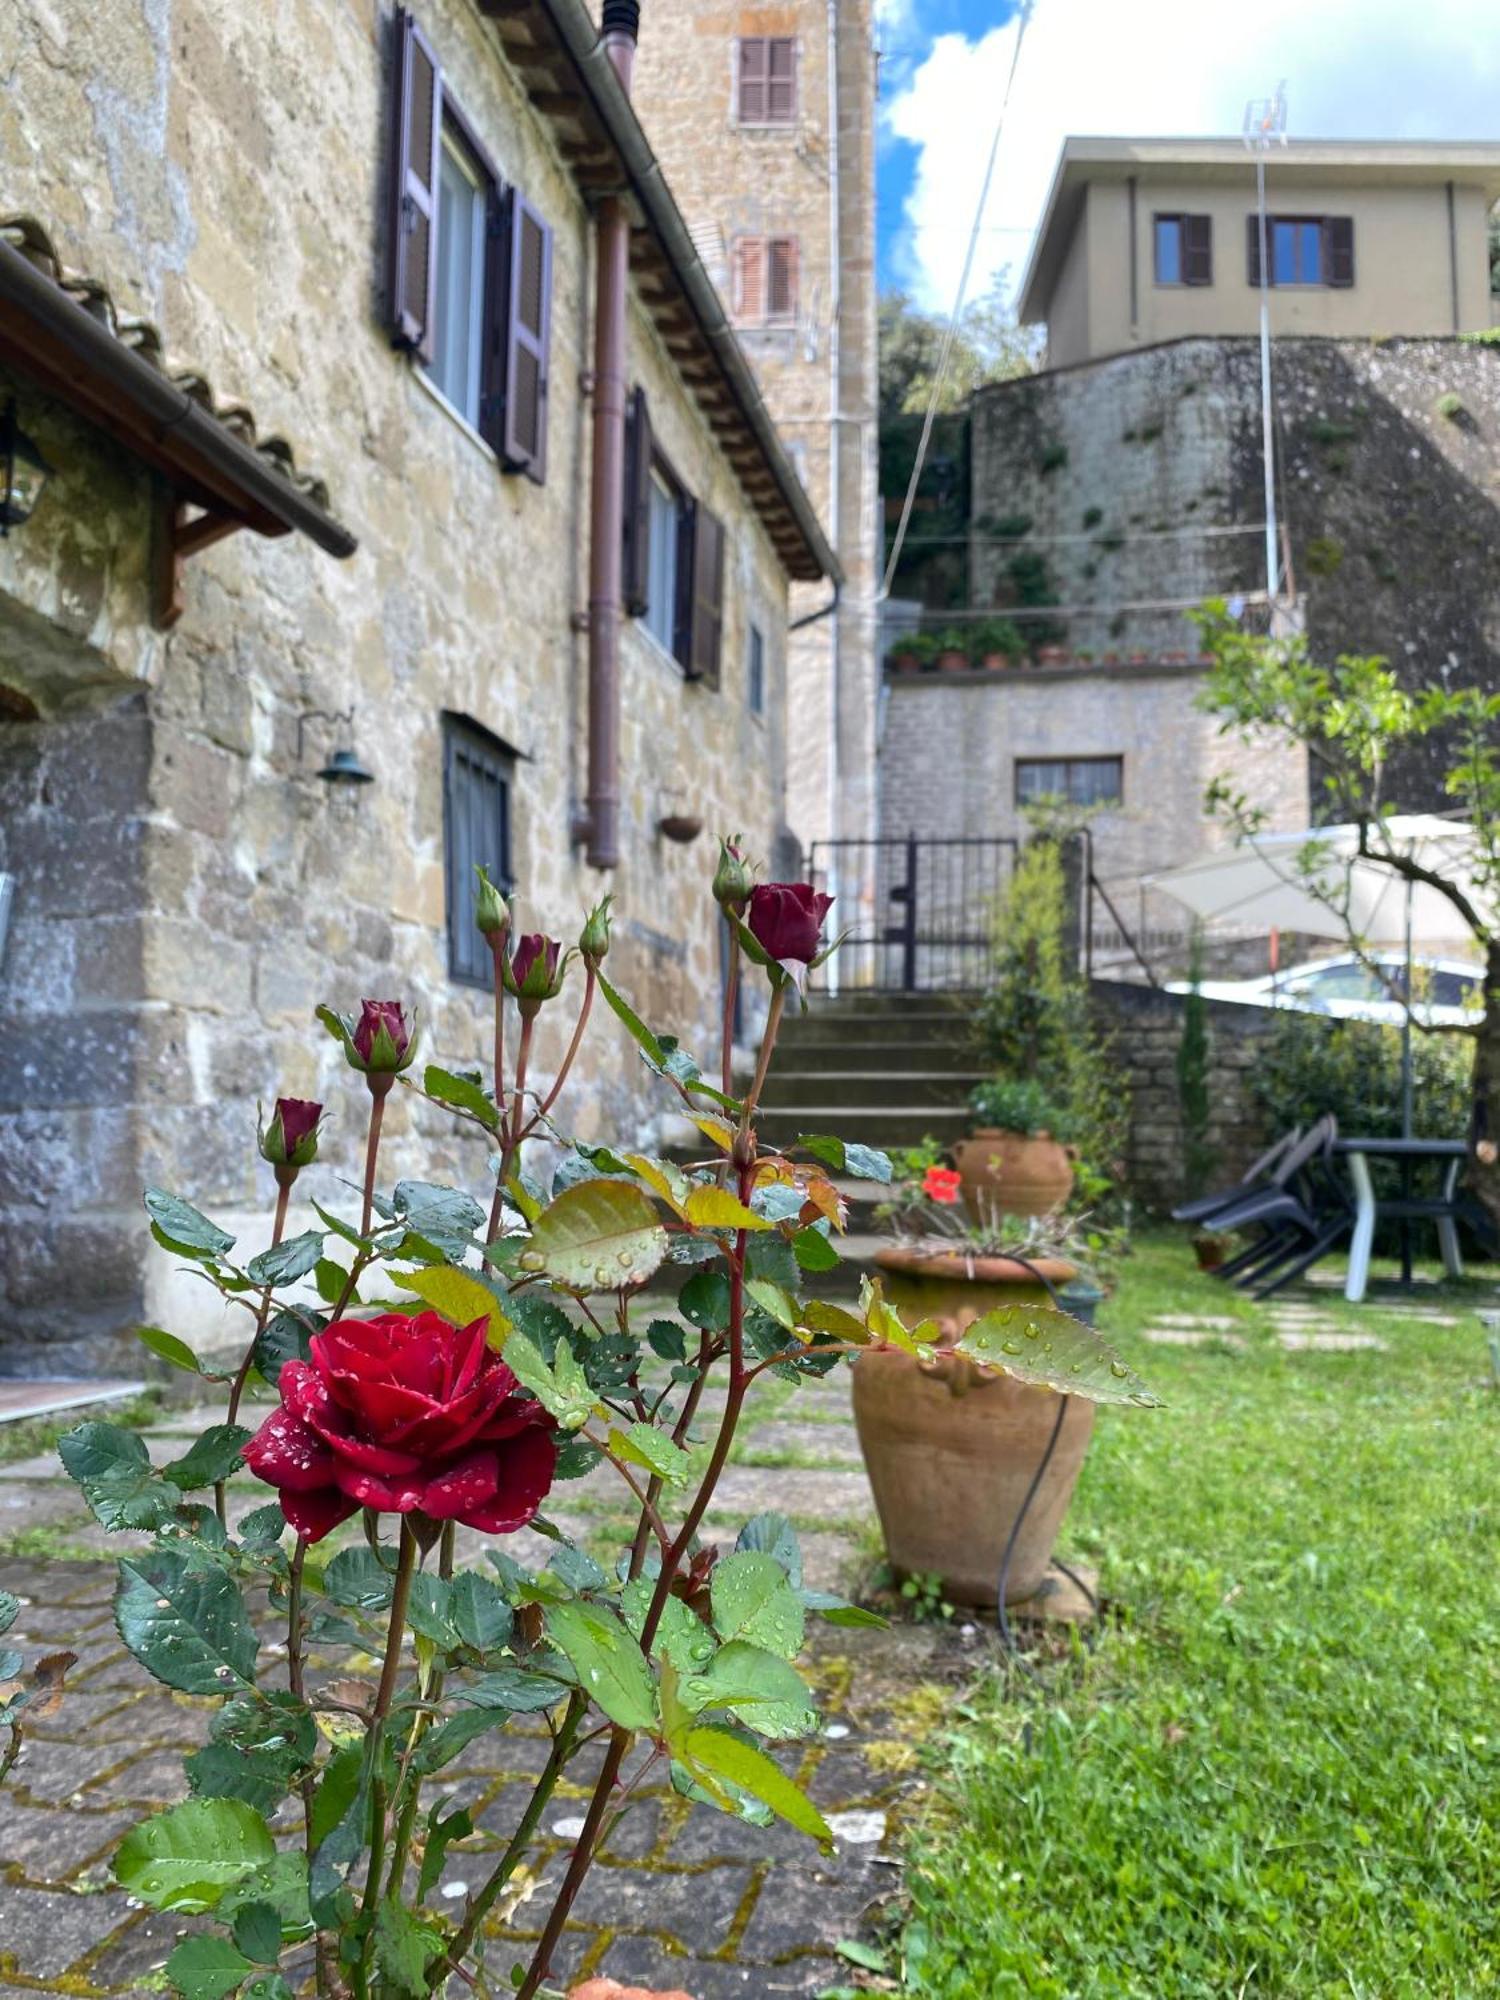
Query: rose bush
[443, 1367]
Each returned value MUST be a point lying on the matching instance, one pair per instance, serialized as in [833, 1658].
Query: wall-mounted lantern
[23, 472]
[344, 774]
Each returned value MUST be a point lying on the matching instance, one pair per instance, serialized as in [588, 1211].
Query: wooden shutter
[528, 315]
[707, 630]
[781, 278]
[1197, 250]
[416, 133]
[1252, 247]
[748, 280]
[476, 813]
[1338, 249]
[636, 514]
[781, 80]
[753, 64]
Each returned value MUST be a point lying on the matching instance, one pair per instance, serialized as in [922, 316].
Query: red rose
[381, 1036]
[404, 1414]
[786, 919]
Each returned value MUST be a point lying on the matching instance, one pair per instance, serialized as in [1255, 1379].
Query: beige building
[301, 308]
[764, 119]
[1147, 240]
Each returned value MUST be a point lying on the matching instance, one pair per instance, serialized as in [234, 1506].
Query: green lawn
[1279, 1772]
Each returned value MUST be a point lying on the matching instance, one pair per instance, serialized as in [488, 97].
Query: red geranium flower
[405, 1414]
[941, 1184]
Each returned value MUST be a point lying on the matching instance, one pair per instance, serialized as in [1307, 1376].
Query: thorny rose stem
[247, 1360]
[583, 1852]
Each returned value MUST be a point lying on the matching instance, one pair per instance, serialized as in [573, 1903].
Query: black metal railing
[919, 913]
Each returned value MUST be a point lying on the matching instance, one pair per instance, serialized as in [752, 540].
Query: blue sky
[1353, 69]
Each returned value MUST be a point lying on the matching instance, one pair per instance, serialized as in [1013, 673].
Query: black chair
[1302, 1224]
[1258, 1174]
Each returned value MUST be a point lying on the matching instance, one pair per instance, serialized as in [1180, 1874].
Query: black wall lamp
[23, 472]
[343, 773]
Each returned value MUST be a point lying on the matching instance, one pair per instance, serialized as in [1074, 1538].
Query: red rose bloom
[377, 1016]
[786, 919]
[405, 1414]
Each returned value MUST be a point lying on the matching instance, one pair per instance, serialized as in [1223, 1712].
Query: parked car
[1448, 990]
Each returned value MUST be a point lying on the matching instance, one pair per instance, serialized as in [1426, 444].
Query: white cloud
[1353, 68]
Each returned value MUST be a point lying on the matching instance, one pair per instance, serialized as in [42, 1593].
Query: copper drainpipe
[600, 824]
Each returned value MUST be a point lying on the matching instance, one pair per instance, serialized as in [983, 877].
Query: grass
[1278, 1774]
[29, 1437]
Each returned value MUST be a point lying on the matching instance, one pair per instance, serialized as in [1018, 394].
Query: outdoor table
[1368, 1208]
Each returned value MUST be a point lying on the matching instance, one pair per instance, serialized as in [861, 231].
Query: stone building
[764, 119]
[377, 235]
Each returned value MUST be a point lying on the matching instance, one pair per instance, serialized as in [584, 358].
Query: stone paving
[682, 1897]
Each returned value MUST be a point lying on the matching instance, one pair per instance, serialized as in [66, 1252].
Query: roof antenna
[1265, 127]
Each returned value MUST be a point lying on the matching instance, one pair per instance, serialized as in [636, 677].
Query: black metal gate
[919, 913]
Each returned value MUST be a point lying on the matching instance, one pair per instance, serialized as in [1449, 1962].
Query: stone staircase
[884, 1069]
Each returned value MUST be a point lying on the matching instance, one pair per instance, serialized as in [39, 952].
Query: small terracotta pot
[996, 663]
[1010, 1173]
[952, 661]
[903, 663]
[1052, 656]
[1211, 1252]
[951, 1448]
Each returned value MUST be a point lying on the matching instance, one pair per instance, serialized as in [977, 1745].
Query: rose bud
[733, 878]
[404, 1414]
[491, 911]
[786, 919]
[381, 1037]
[290, 1141]
[593, 940]
[535, 971]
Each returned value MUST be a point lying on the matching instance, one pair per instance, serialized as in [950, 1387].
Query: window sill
[789, 126]
[656, 649]
[454, 416]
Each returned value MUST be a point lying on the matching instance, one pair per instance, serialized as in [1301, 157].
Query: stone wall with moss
[186, 888]
[1139, 479]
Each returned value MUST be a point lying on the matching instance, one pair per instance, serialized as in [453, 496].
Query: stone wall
[187, 889]
[1145, 1027]
[1139, 478]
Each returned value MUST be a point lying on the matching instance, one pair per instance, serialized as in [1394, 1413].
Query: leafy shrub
[1020, 1104]
[1310, 1064]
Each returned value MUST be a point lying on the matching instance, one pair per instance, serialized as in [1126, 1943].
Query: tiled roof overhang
[63, 331]
[554, 47]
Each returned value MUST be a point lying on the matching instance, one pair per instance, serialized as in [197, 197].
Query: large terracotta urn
[952, 1448]
[1012, 1173]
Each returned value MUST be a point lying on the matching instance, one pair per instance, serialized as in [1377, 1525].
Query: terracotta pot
[1211, 1252]
[952, 661]
[996, 663]
[1009, 1173]
[903, 663]
[1052, 656]
[952, 1449]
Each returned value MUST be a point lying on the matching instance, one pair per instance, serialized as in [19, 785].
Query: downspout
[599, 827]
[835, 466]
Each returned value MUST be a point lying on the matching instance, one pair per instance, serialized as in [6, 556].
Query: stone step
[860, 1088]
[856, 1051]
[862, 1001]
[857, 1026]
[881, 1125]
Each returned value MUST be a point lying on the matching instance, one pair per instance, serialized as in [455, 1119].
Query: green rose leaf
[257, 1932]
[704, 1300]
[838, 1611]
[1050, 1349]
[358, 1579]
[262, 1528]
[862, 1163]
[608, 1662]
[428, 1610]
[753, 1599]
[478, 1612]
[513, 1691]
[285, 1338]
[681, 1637]
[261, 1744]
[440, 1833]
[404, 1948]
[167, 1347]
[180, 1226]
[713, 1754]
[766, 1693]
[211, 1458]
[185, 1858]
[206, 1968]
[285, 1262]
[635, 1026]
[597, 1237]
[443, 1216]
[577, 1569]
[814, 1251]
[773, 1535]
[10, 1609]
[113, 1469]
[463, 1093]
[562, 1389]
[667, 1339]
[186, 1626]
[643, 1444]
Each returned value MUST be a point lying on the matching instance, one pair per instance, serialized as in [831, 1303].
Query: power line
[941, 372]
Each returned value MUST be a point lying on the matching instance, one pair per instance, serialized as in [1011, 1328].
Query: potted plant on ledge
[1017, 1160]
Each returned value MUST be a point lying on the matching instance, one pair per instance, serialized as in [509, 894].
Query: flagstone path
[682, 1896]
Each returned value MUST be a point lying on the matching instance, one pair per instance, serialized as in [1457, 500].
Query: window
[1081, 781]
[664, 542]
[477, 775]
[469, 283]
[767, 80]
[1304, 249]
[1184, 249]
[672, 554]
[755, 672]
[763, 280]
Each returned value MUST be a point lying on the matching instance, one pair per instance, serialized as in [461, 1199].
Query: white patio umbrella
[1317, 881]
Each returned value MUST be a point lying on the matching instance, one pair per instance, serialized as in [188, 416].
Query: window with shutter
[707, 628]
[1252, 250]
[478, 774]
[747, 297]
[755, 672]
[417, 93]
[1183, 249]
[767, 76]
[752, 78]
[527, 326]
[1303, 249]
[1338, 231]
[635, 562]
[781, 279]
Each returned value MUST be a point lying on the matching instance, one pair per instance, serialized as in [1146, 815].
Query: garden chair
[1258, 1174]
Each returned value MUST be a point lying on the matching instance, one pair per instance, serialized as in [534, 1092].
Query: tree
[1352, 717]
[987, 347]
